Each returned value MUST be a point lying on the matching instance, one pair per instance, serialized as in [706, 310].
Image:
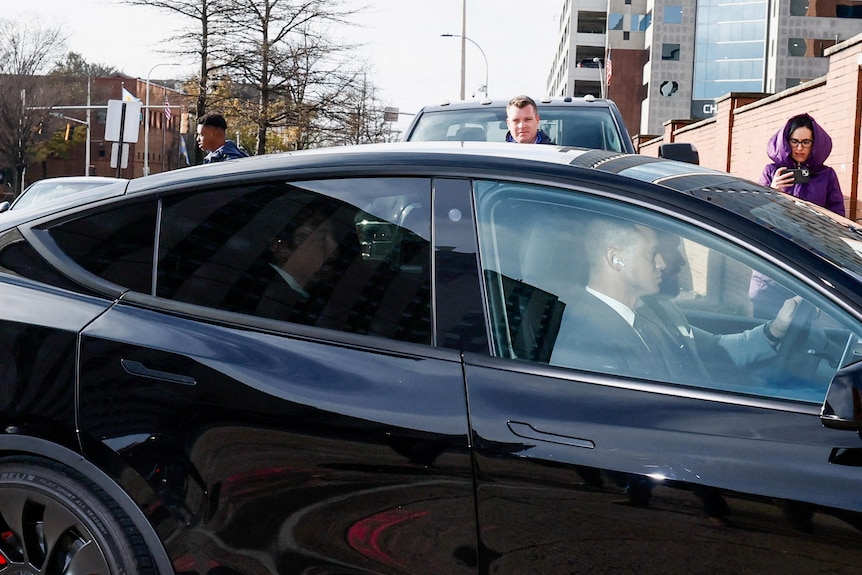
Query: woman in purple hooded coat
[801, 144]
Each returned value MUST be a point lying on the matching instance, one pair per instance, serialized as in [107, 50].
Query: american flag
[609, 69]
[167, 111]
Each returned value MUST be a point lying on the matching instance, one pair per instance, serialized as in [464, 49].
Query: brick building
[163, 135]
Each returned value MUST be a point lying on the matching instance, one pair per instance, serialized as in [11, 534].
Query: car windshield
[808, 225]
[43, 192]
[584, 127]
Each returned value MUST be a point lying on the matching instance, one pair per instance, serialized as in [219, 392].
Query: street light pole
[463, 45]
[147, 118]
[463, 38]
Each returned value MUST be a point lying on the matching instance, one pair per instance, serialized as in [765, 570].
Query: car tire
[54, 521]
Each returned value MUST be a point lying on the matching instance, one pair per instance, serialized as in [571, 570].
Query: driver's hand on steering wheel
[778, 327]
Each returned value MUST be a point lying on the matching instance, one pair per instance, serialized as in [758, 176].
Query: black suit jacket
[595, 337]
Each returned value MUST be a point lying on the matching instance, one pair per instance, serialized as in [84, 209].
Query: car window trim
[41, 240]
[646, 386]
[375, 343]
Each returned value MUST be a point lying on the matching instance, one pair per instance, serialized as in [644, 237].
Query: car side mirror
[843, 406]
[681, 152]
[4, 206]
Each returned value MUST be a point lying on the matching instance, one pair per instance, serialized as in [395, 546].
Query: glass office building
[730, 47]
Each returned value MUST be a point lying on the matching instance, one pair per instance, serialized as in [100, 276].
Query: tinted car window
[541, 249]
[117, 244]
[18, 257]
[351, 255]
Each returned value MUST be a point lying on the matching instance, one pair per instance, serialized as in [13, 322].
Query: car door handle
[138, 368]
[527, 431]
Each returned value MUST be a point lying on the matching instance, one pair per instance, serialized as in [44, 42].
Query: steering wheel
[793, 361]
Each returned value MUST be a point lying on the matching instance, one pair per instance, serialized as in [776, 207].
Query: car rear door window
[560, 266]
[350, 254]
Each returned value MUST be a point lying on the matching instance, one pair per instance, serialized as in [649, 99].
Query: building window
[730, 53]
[673, 14]
[825, 9]
[640, 22]
[796, 47]
[808, 47]
[591, 22]
[848, 11]
[670, 52]
[615, 21]
[799, 7]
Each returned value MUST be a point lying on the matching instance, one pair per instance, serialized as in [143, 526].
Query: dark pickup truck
[586, 122]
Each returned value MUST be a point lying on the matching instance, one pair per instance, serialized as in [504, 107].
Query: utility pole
[463, 47]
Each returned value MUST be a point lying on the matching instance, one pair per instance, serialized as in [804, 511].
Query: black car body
[342, 361]
[586, 122]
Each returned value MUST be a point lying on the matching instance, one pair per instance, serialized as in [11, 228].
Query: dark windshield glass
[577, 126]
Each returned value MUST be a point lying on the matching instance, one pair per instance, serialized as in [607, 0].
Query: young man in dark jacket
[211, 139]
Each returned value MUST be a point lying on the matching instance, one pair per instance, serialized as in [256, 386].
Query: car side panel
[281, 454]
[38, 333]
[579, 476]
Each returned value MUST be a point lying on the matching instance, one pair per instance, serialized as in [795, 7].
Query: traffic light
[70, 130]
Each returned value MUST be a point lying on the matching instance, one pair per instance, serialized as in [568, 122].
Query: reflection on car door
[264, 400]
[593, 466]
[590, 473]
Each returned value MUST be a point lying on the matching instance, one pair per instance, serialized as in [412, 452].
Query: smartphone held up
[800, 175]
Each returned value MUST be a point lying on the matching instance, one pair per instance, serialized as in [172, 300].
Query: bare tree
[358, 118]
[206, 33]
[27, 47]
[270, 66]
[281, 49]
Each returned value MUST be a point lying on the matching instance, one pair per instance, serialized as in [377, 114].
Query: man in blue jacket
[211, 139]
[522, 118]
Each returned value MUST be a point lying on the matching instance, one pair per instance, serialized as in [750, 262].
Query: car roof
[415, 158]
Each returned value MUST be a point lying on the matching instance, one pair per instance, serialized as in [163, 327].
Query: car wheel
[55, 521]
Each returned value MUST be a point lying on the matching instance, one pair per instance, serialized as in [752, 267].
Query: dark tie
[680, 362]
[661, 346]
[650, 334]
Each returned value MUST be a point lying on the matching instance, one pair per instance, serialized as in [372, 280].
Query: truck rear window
[584, 127]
